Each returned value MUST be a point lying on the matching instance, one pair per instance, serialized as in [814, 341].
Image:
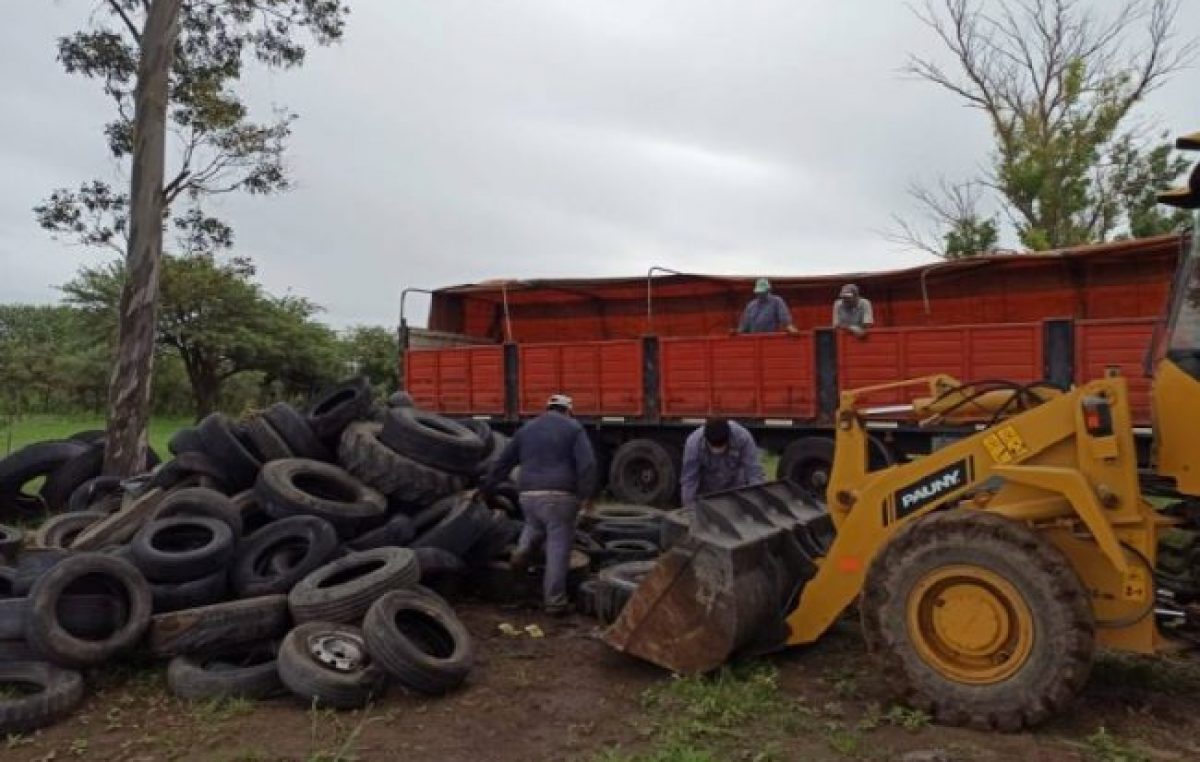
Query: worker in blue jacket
[766, 312]
[558, 476]
[719, 455]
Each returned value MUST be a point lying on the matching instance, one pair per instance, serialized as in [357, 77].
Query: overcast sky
[450, 141]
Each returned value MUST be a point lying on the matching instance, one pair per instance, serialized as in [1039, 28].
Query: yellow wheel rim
[970, 624]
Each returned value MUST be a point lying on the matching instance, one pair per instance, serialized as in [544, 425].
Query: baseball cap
[559, 400]
[762, 286]
[848, 291]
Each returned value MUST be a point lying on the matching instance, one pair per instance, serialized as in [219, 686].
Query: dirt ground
[566, 696]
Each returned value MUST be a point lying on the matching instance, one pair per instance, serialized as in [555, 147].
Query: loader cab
[1183, 321]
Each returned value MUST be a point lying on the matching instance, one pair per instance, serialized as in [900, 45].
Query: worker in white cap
[852, 312]
[766, 312]
[558, 475]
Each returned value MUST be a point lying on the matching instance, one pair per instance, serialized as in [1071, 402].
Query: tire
[343, 590]
[221, 443]
[245, 672]
[68, 477]
[623, 551]
[432, 439]
[619, 512]
[182, 548]
[221, 625]
[396, 533]
[608, 531]
[11, 540]
[8, 576]
[95, 492]
[401, 399]
[501, 534]
[253, 514]
[308, 487]
[585, 598]
[466, 522]
[33, 563]
[61, 530]
[618, 583]
[1011, 566]
[807, 462]
[186, 439]
[337, 408]
[88, 436]
[417, 639]
[370, 460]
[492, 453]
[253, 573]
[350, 685]
[482, 431]
[44, 628]
[267, 442]
[427, 518]
[434, 562]
[644, 472]
[14, 612]
[172, 474]
[27, 464]
[168, 596]
[296, 432]
[59, 692]
[198, 501]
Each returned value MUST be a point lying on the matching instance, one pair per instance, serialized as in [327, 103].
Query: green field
[15, 433]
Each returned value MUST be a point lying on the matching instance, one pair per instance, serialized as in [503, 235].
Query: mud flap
[727, 588]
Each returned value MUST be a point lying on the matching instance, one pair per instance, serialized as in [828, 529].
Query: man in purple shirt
[719, 455]
[766, 312]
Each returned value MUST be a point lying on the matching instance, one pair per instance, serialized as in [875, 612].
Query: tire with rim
[416, 637]
[337, 408]
[343, 590]
[248, 672]
[401, 478]
[432, 439]
[309, 487]
[978, 620]
[182, 548]
[296, 432]
[807, 462]
[221, 443]
[59, 692]
[86, 572]
[645, 472]
[61, 530]
[328, 665]
[220, 625]
[198, 501]
[311, 541]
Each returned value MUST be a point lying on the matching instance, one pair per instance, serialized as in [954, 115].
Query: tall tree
[1058, 85]
[371, 351]
[132, 49]
[220, 324]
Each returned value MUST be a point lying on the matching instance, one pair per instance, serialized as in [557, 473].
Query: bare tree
[1057, 83]
[953, 225]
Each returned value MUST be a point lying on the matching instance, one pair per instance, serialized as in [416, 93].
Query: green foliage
[970, 236]
[1102, 746]
[371, 351]
[1059, 85]
[219, 148]
[219, 324]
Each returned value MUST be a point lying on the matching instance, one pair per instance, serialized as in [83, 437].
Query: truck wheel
[808, 462]
[644, 472]
[978, 620]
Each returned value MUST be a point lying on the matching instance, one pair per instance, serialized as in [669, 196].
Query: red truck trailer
[646, 359]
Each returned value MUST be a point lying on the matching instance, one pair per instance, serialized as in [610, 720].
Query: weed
[220, 710]
[842, 740]
[344, 743]
[1103, 747]
[844, 681]
[911, 720]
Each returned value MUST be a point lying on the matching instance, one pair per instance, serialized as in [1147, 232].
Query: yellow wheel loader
[986, 573]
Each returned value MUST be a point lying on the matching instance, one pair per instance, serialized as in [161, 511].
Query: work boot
[559, 607]
[520, 560]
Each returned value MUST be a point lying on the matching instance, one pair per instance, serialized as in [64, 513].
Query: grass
[1102, 746]
[16, 433]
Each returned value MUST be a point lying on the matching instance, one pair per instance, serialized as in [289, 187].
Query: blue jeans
[550, 518]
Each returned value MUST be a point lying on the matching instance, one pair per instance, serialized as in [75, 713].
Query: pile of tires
[305, 551]
[625, 541]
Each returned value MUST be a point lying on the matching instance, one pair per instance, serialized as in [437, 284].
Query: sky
[452, 141]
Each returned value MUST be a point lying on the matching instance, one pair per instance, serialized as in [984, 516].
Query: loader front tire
[978, 620]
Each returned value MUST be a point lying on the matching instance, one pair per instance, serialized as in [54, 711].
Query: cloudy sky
[449, 141]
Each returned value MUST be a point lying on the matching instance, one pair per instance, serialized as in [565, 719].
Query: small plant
[1101, 746]
[911, 720]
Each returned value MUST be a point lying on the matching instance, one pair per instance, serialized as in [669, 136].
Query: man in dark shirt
[719, 455]
[558, 474]
[766, 312]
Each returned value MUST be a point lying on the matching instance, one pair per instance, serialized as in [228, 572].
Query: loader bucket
[727, 587]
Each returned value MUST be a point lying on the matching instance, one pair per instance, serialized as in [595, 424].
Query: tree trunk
[129, 388]
[206, 392]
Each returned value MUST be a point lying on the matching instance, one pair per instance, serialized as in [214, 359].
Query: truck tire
[267, 442]
[27, 464]
[644, 472]
[1028, 665]
[61, 530]
[295, 431]
[247, 672]
[327, 665]
[44, 628]
[309, 487]
[396, 533]
[59, 692]
[400, 478]
[337, 408]
[220, 625]
[432, 439]
[198, 501]
[239, 465]
[182, 548]
[807, 462]
[461, 527]
[417, 639]
[343, 590]
[313, 539]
